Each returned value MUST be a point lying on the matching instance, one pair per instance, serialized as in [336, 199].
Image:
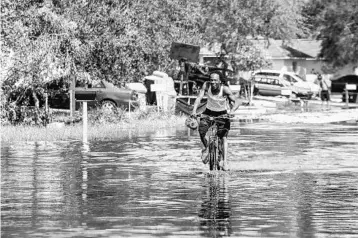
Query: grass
[99, 127]
[102, 126]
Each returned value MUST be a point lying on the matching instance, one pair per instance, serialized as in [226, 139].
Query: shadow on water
[285, 181]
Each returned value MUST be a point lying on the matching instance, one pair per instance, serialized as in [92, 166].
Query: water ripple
[285, 181]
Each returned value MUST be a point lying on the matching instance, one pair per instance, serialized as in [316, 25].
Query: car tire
[108, 106]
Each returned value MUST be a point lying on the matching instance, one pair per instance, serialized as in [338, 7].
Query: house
[299, 55]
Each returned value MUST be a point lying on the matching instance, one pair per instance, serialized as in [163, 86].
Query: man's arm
[199, 98]
[232, 98]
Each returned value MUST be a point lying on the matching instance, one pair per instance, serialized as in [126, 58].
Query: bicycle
[214, 142]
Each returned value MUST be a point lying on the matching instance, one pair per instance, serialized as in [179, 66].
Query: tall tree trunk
[36, 99]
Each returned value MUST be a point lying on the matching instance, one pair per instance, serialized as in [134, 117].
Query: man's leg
[203, 139]
[203, 129]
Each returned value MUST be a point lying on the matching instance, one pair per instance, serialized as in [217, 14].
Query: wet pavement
[285, 181]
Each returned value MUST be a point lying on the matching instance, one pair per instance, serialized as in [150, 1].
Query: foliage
[96, 131]
[226, 19]
[230, 23]
[101, 116]
[335, 22]
[33, 116]
[340, 38]
[125, 40]
[248, 57]
[115, 40]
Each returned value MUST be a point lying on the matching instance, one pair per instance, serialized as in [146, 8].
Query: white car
[300, 87]
[271, 86]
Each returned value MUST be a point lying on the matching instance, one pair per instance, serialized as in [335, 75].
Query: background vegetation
[124, 40]
[100, 126]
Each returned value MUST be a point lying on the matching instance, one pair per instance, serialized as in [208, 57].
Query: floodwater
[285, 181]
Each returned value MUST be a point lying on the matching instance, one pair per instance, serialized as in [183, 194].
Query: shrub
[25, 115]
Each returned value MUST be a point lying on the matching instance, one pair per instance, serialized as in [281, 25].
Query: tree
[232, 22]
[335, 22]
[31, 45]
[128, 41]
[339, 32]
[32, 52]
[113, 40]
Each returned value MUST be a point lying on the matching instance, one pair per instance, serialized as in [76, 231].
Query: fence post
[347, 95]
[84, 116]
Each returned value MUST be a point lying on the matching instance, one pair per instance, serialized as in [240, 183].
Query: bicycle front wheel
[213, 156]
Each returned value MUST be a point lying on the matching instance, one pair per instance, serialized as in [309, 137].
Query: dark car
[107, 95]
[339, 85]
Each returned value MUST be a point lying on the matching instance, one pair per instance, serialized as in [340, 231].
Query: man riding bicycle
[217, 95]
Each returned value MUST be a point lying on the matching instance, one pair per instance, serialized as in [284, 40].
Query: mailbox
[85, 96]
[351, 87]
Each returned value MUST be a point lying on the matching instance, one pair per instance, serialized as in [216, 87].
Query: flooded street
[285, 181]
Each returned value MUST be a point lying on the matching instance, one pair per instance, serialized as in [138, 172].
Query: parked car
[271, 86]
[300, 87]
[339, 85]
[107, 95]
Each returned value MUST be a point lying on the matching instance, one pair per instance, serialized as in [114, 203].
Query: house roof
[277, 49]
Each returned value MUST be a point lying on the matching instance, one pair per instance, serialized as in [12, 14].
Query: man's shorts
[325, 95]
[223, 128]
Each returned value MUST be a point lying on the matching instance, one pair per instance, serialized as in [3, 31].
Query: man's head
[215, 80]
[319, 77]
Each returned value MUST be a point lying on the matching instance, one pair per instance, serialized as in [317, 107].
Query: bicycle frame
[215, 143]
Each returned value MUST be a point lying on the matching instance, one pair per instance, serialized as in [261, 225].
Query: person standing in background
[325, 89]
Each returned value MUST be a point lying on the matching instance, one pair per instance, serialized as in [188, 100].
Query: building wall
[316, 65]
[303, 65]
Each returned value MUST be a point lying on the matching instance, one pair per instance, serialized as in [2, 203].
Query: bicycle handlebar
[224, 116]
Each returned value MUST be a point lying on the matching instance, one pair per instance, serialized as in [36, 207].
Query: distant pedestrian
[325, 89]
[313, 71]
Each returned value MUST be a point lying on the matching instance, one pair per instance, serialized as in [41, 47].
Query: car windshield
[304, 80]
[97, 84]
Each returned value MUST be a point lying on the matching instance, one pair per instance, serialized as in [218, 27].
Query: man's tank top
[217, 102]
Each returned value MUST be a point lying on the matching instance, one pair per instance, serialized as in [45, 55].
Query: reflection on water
[215, 211]
[285, 181]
